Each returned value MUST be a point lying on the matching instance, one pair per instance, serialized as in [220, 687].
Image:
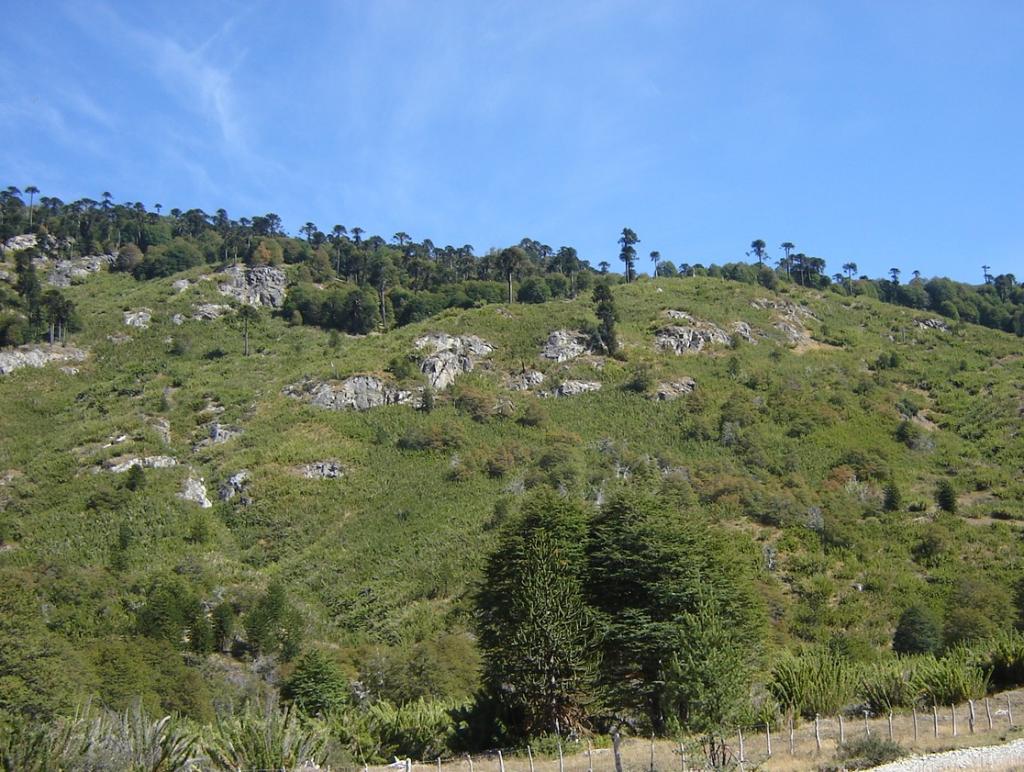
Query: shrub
[919, 631]
[264, 737]
[534, 290]
[817, 682]
[949, 680]
[868, 752]
[317, 685]
[945, 496]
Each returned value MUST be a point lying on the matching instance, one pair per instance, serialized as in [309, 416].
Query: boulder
[932, 324]
[181, 285]
[526, 380]
[18, 243]
[322, 470]
[794, 333]
[742, 330]
[563, 345]
[360, 392]
[37, 356]
[194, 490]
[452, 355]
[65, 272]
[784, 308]
[163, 428]
[118, 338]
[690, 338]
[206, 312]
[575, 388]
[139, 318]
[178, 319]
[234, 486]
[669, 390]
[218, 433]
[262, 285]
[124, 463]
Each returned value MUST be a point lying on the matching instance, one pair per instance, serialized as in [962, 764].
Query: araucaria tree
[536, 631]
[627, 255]
[606, 317]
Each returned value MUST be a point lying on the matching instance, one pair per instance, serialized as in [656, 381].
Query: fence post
[561, 761]
[970, 704]
[890, 726]
[470, 760]
[988, 713]
[743, 757]
[867, 729]
[652, 751]
[438, 764]
[952, 712]
[914, 709]
[682, 756]
[408, 764]
[817, 734]
[615, 750]
[842, 731]
[529, 755]
[768, 737]
[1009, 709]
[590, 756]
[935, 719]
[792, 749]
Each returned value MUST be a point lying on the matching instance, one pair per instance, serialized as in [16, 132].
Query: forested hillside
[439, 501]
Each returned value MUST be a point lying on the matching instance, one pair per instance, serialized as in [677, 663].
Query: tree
[757, 246]
[919, 631]
[317, 685]
[606, 318]
[247, 315]
[787, 250]
[604, 266]
[984, 269]
[892, 499]
[536, 632]
[383, 274]
[945, 496]
[665, 586]
[510, 260]
[31, 190]
[894, 274]
[627, 255]
[655, 259]
[850, 269]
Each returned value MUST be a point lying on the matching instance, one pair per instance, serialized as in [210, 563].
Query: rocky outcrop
[124, 463]
[28, 241]
[932, 324]
[784, 308]
[181, 285]
[691, 338]
[194, 490]
[207, 312]
[37, 356]
[360, 392]
[235, 486]
[322, 470]
[669, 390]
[452, 356]
[139, 318]
[163, 428]
[218, 433]
[742, 330]
[563, 345]
[573, 388]
[526, 380]
[262, 285]
[66, 272]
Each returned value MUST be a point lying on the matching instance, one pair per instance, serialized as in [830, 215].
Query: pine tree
[606, 317]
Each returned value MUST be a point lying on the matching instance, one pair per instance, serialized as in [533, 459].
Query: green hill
[815, 433]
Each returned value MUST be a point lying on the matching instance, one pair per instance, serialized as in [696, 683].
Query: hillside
[781, 423]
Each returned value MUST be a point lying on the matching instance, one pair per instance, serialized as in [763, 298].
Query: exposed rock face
[65, 272]
[322, 470]
[37, 356]
[262, 285]
[563, 345]
[6, 276]
[360, 392]
[575, 388]
[181, 285]
[932, 324]
[162, 427]
[794, 333]
[194, 490]
[219, 433]
[785, 308]
[453, 355]
[18, 243]
[118, 338]
[206, 312]
[669, 390]
[526, 380]
[234, 486]
[139, 318]
[124, 463]
[742, 330]
[682, 340]
[69, 370]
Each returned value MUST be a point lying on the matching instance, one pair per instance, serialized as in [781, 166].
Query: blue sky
[886, 133]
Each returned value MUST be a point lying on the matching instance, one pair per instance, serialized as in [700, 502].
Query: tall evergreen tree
[627, 255]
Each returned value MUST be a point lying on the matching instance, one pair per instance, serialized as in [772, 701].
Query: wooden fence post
[792, 747]
[438, 764]
[682, 756]
[970, 718]
[890, 726]
[616, 738]
[952, 712]
[817, 734]
[1009, 709]
[652, 751]
[590, 756]
[914, 709]
[935, 719]
[408, 764]
[867, 728]
[842, 731]
[743, 757]
[768, 737]
[470, 760]
[988, 713]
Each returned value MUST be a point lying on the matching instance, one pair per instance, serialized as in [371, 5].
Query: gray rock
[37, 356]
[178, 319]
[563, 345]
[66, 272]
[322, 470]
[124, 463]
[69, 370]
[18, 243]
[526, 380]
[452, 356]
[742, 329]
[194, 490]
[118, 338]
[784, 308]
[360, 392]
[218, 433]
[932, 324]
[162, 427]
[139, 318]
[574, 388]
[262, 285]
[669, 390]
[181, 285]
[7, 276]
[793, 333]
[234, 485]
[206, 312]
[690, 338]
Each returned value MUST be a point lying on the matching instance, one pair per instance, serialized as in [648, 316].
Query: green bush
[868, 752]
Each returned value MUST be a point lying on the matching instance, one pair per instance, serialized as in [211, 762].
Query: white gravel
[994, 757]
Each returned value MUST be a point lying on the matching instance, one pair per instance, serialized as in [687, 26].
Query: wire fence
[801, 745]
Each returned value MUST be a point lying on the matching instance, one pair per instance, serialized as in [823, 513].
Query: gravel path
[993, 757]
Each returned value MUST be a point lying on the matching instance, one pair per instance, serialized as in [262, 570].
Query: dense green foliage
[754, 546]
